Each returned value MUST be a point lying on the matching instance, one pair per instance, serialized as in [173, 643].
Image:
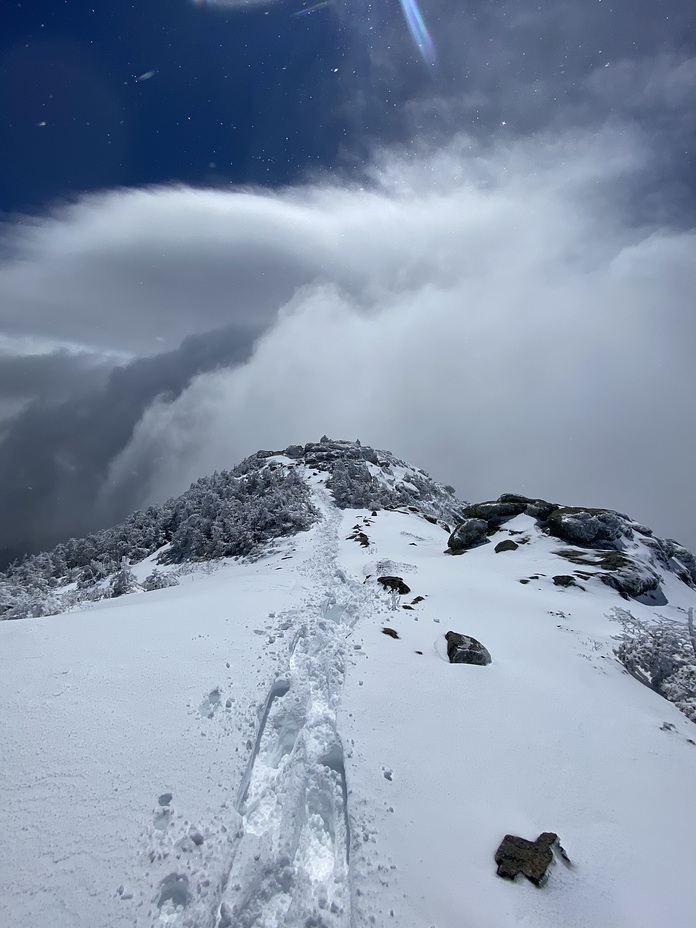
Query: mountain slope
[249, 748]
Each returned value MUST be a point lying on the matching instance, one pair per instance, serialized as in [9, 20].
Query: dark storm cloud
[48, 377]
[55, 453]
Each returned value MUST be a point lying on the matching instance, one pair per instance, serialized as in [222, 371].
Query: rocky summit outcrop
[531, 858]
[361, 477]
[463, 649]
[587, 526]
[609, 546]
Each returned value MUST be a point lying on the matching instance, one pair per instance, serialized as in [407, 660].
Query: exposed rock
[507, 545]
[390, 631]
[532, 858]
[509, 505]
[564, 580]
[394, 583]
[631, 578]
[467, 534]
[495, 510]
[637, 582]
[537, 508]
[605, 560]
[587, 526]
[684, 559]
[463, 649]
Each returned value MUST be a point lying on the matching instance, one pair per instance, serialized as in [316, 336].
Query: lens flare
[419, 31]
[312, 9]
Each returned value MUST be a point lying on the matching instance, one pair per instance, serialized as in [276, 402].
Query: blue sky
[100, 95]
[196, 196]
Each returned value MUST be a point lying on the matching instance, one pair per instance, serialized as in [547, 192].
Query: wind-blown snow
[323, 773]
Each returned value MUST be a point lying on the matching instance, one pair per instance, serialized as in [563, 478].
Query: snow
[323, 773]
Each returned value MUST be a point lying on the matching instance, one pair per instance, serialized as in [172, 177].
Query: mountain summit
[320, 690]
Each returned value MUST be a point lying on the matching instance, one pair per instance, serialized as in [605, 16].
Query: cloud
[137, 271]
[56, 450]
[489, 315]
[494, 312]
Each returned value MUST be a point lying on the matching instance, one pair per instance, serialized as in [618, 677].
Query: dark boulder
[587, 526]
[509, 505]
[463, 649]
[495, 511]
[467, 534]
[532, 858]
[537, 508]
[564, 580]
[390, 631]
[507, 545]
[394, 583]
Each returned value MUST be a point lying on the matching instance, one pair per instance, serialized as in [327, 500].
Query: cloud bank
[487, 315]
[497, 313]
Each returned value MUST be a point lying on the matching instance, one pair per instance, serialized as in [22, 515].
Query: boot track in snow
[289, 858]
[291, 866]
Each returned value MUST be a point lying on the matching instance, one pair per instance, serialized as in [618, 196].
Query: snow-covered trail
[249, 750]
[220, 698]
[290, 859]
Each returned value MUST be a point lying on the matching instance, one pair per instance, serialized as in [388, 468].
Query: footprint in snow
[210, 704]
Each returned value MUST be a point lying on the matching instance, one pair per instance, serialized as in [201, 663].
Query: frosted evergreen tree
[124, 580]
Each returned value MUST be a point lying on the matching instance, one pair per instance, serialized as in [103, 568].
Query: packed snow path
[290, 862]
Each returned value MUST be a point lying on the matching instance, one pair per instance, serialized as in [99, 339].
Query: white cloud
[487, 316]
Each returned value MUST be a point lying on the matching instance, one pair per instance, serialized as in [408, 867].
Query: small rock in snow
[532, 858]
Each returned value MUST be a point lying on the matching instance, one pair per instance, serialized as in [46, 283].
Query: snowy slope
[323, 773]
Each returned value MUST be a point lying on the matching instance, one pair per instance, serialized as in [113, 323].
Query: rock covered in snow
[587, 526]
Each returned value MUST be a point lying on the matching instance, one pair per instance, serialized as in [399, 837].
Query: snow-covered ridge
[236, 513]
[281, 741]
[361, 477]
